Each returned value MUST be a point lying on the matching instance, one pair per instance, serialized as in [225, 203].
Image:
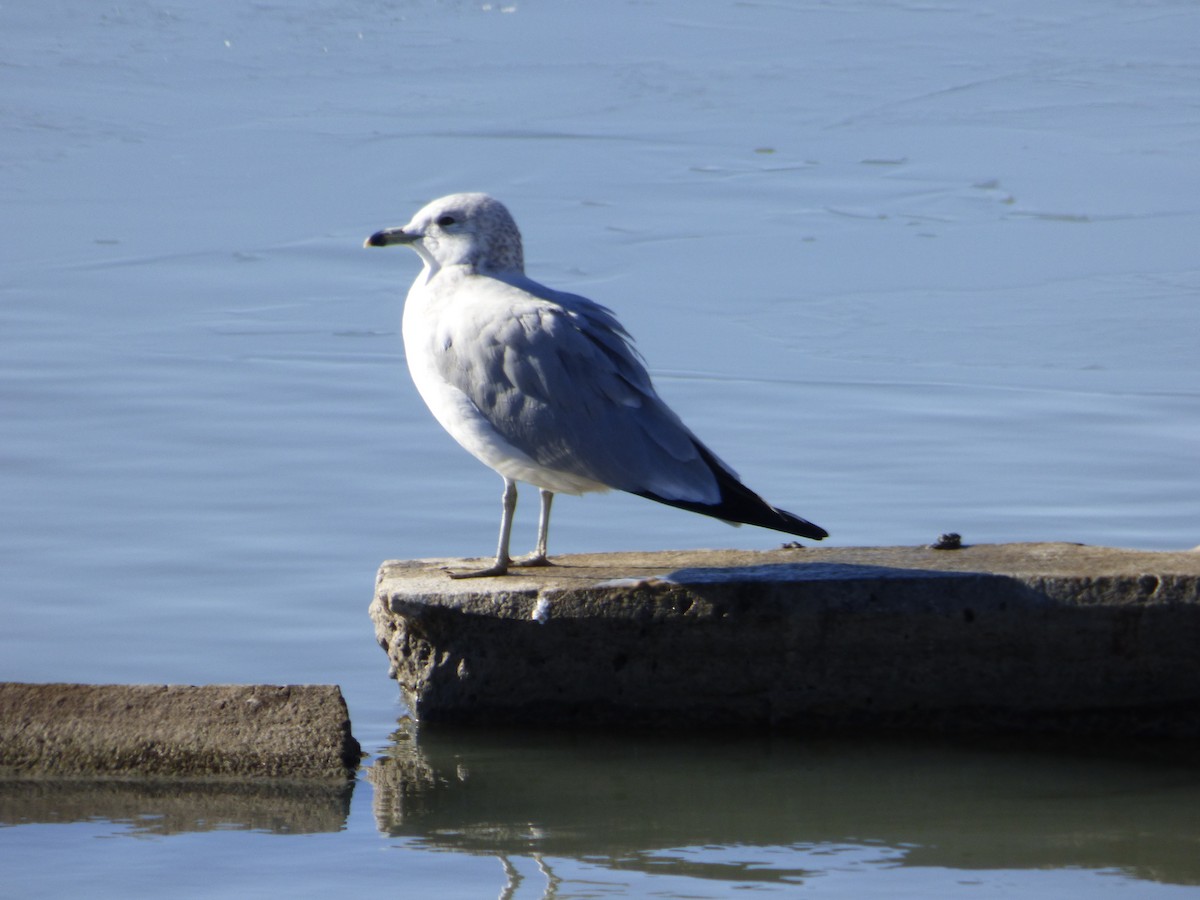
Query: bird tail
[740, 505]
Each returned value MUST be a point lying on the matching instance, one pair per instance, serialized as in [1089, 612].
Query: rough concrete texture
[260, 731]
[1040, 637]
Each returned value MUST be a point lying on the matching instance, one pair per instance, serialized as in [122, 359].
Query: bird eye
[444, 221]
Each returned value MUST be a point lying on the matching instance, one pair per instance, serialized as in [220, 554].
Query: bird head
[472, 230]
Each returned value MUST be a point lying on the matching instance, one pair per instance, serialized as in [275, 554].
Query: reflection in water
[175, 806]
[514, 879]
[775, 809]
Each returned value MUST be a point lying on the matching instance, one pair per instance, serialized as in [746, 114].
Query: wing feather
[559, 379]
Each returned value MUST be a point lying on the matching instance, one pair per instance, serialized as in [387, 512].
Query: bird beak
[390, 236]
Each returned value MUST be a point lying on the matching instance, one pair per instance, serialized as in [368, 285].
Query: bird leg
[538, 556]
[508, 505]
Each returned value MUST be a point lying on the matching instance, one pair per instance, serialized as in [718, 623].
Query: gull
[545, 387]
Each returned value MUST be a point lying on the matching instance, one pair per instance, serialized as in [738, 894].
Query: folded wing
[559, 379]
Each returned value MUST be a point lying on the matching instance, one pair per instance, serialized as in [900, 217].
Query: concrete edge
[1017, 637]
[177, 731]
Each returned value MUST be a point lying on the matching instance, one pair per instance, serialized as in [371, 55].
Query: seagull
[545, 387]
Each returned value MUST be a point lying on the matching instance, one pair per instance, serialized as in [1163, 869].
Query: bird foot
[500, 567]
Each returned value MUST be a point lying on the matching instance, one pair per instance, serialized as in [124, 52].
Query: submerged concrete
[1026, 637]
[243, 731]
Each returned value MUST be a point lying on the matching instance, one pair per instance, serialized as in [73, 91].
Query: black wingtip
[740, 504]
[800, 527]
[751, 510]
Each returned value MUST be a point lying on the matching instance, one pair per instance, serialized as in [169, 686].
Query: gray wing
[557, 377]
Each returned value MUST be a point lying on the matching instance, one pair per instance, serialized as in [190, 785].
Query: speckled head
[475, 230]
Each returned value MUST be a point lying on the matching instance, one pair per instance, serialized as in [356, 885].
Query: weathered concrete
[259, 731]
[1043, 637]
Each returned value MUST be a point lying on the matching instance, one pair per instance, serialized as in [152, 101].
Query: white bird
[543, 386]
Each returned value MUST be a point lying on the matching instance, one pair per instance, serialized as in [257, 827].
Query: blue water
[911, 268]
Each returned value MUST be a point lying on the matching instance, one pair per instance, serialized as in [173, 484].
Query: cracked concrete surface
[1023, 637]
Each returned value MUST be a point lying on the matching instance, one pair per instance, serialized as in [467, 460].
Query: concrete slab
[1024, 637]
[242, 731]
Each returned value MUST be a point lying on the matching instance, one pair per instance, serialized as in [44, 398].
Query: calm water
[910, 268]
